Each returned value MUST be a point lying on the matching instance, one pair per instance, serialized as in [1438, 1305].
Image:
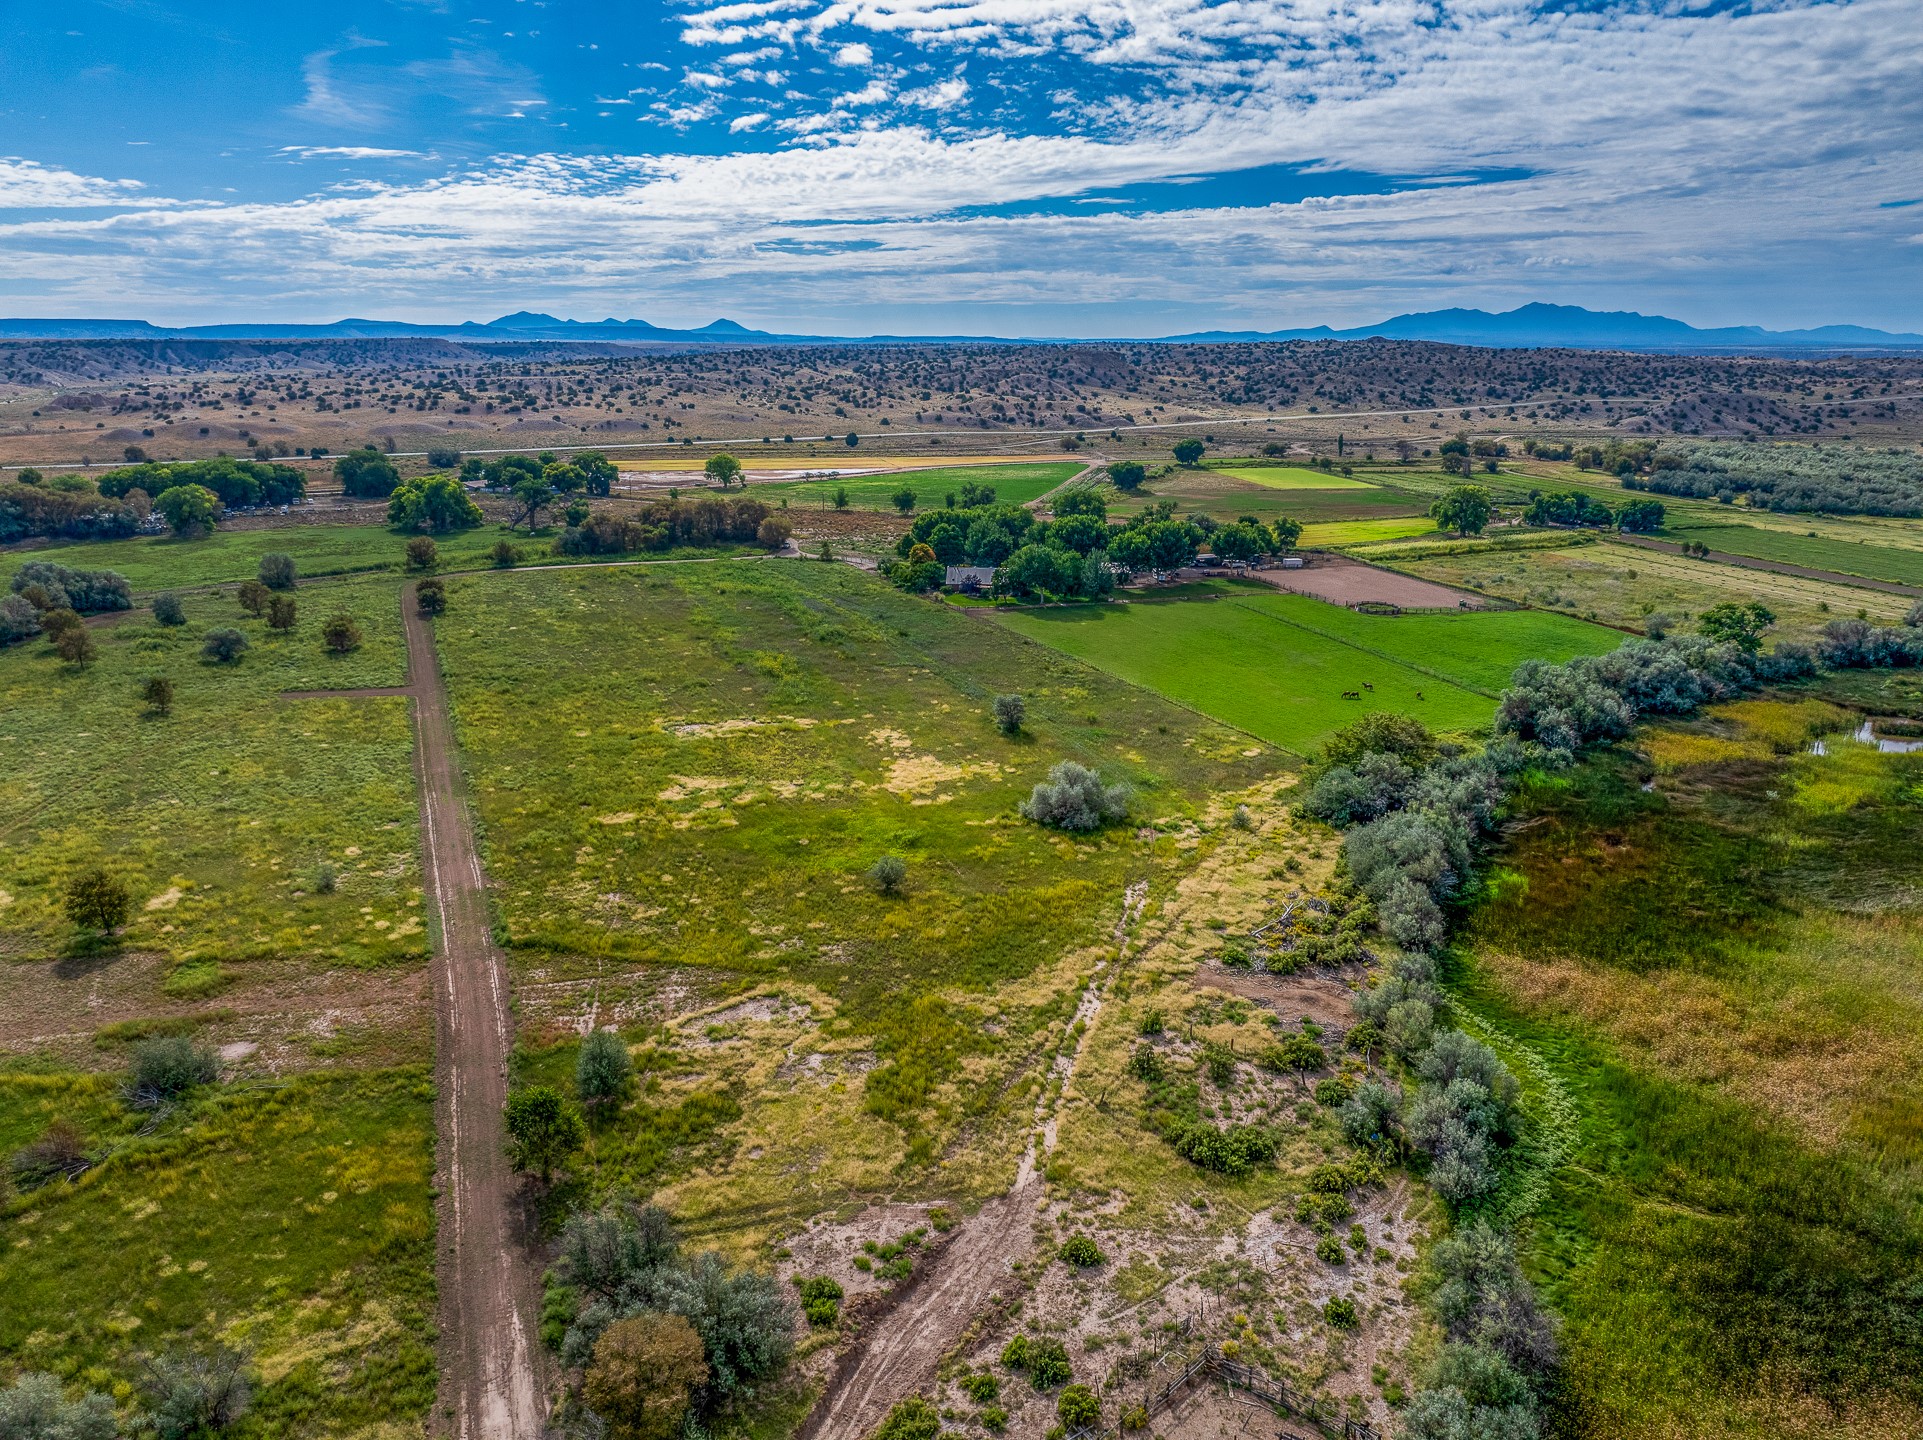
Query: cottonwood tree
[723, 469]
[1464, 509]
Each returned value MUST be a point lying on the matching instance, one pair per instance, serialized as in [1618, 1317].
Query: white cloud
[855, 54]
[873, 93]
[747, 122]
[704, 80]
[945, 96]
[352, 152]
[27, 185]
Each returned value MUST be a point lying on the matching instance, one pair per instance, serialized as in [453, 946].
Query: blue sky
[1095, 167]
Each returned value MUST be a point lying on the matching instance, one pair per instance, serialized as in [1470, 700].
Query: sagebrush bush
[1074, 798]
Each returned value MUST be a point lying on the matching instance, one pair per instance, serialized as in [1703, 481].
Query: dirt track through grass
[489, 1293]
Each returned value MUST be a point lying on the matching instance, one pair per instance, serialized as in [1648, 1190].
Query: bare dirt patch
[1342, 581]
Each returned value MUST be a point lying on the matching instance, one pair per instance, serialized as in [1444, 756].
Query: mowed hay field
[1013, 484]
[1277, 665]
[1622, 584]
[683, 775]
[1343, 534]
[1713, 984]
[219, 816]
[1225, 497]
[1289, 477]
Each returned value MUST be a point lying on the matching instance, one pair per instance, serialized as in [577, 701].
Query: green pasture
[295, 1220]
[1718, 978]
[1224, 497]
[1013, 484]
[1342, 534]
[161, 562]
[1290, 477]
[698, 765]
[1243, 665]
[1477, 649]
[1818, 552]
[219, 816]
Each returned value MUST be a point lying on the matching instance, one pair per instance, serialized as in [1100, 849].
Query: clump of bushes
[1078, 1408]
[911, 1419]
[49, 586]
[223, 645]
[1074, 798]
[602, 1069]
[168, 610]
[821, 1300]
[35, 1407]
[167, 1068]
[1045, 1360]
[625, 1261]
[1080, 1251]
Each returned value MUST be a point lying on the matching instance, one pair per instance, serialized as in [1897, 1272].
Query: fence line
[1277, 1394]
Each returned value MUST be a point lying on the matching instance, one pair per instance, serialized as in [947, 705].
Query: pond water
[1866, 735]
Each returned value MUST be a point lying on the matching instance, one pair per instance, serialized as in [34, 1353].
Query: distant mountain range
[1528, 327]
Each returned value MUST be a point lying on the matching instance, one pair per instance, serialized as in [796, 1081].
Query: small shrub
[281, 612]
[1048, 1364]
[1329, 1250]
[157, 694]
[1081, 1252]
[1135, 1417]
[223, 645]
[505, 555]
[1010, 712]
[820, 1299]
[911, 1419]
[76, 646]
[1015, 1352]
[994, 1419]
[887, 874]
[1078, 1408]
[197, 1395]
[1152, 1023]
[431, 596]
[325, 879]
[1340, 1312]
[1242, 819]
[602, 1068]
[253, 597]
[35, 1407]
[277, 571]
[60, 1150]
[340, 634]
[168, 610]
[168, 1066]
[981, 1388]
[1146, 1064]
[422, 553]
[1332, 1092]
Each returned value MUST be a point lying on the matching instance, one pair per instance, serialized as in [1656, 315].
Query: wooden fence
[1236, 1376]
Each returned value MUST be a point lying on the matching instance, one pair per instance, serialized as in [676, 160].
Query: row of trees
[236, 484]
[666, 524]
[1832, 479]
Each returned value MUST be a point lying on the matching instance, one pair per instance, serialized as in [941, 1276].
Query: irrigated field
[1224, 497]
[1013, 484]
[1289, 477]
[1243, 662]
[1621, 585]
[684, 775]
[1818, 552]
[1346, 534]
[1718, 977]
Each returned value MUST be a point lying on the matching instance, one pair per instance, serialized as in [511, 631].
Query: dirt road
[904, 1347]
[488, 1282]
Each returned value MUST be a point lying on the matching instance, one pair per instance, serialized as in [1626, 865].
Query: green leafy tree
[157, 694]
[646, 1371]
[1009, 711]
[598, 471]
[542, 1130]
[431, 596]
[366, 474]
[434, 502]
[97, 900]
[253, 597]
[841, 497]
[1128, 476]
[1188, 452]
[281, 612]
[340, 634]
[223, 645]
[533, 494]
[1464, 509]
[904, 499]
[422, 553]
[564, 477]
[75, 645]
[168, 610]
[602, 1068]
[1737, 622]
[189, 510]
[276, 571]
[723, 469]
